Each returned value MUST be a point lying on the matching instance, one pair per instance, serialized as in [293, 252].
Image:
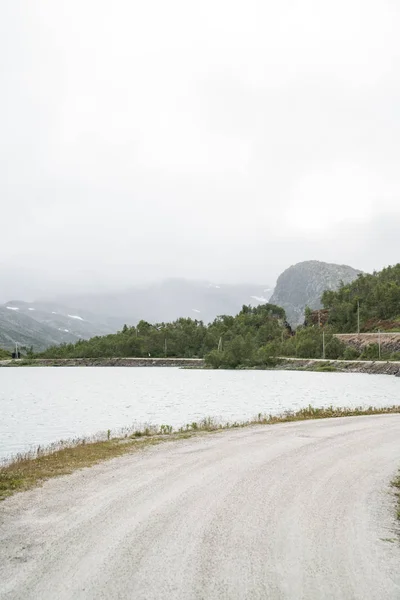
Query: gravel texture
[293, 511]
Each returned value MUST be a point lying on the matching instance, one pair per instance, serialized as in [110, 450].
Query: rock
[303, 284]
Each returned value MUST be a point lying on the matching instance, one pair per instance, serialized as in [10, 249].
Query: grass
[396, 485]
[27, 471]
[24, 471]
[325, 368]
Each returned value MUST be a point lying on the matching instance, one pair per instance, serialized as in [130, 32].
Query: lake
[40, 405]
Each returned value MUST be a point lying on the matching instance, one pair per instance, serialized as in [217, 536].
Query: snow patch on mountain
[75, 317]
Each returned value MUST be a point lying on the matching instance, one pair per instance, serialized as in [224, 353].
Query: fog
[218, 140]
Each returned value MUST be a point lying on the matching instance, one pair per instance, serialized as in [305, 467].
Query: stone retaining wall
[344, 366]
[110, 362]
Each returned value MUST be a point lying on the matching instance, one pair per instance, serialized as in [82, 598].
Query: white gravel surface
[292, 511]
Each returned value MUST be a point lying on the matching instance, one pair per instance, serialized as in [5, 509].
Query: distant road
[285, 512]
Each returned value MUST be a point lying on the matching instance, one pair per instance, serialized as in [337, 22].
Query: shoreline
[105, 362]
[285, 364]
[341, 366]
[24, 471]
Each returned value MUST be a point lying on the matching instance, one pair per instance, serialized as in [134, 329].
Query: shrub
[288, 347]
[334, 348]
[351, 353]
[370, 352]
[308, 348]
[214, 359]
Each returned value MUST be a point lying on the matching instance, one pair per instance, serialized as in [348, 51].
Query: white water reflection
[42, 405]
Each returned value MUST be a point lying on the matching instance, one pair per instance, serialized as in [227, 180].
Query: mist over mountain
[71, 317]
[42, 324]
[170, 299]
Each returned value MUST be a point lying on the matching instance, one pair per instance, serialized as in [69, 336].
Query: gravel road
[292, 511]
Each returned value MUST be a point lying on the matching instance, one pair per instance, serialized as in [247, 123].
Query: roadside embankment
[105, 362]
[342, 366]
[390, 342]
[285, 363]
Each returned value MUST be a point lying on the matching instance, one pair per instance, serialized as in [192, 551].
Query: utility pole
[323, 344]
[220, 344]
[165, 346]
[358, 317]
[379, 344]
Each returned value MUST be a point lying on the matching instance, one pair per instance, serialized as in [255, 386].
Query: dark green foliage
[334, 348]
[379, 298]
[351, 353]
[239, 339]
[248, 339]
[256, 337]
[370, 352]
[288, 347]
[215, 359]
[308, 343]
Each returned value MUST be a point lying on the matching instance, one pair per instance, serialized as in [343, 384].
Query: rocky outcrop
[303, 284]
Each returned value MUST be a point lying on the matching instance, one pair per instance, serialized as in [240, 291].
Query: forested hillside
[378, 298]
[257, 335]
[238, 339]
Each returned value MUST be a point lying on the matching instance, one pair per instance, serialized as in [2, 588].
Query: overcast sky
[218, 139]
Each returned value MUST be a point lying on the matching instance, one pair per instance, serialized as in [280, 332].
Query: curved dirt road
[293, 511]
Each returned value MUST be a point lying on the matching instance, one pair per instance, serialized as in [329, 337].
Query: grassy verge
[28, 470]
[396, 485]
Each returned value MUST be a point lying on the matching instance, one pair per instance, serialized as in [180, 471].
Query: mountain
[303, 284]
[69, 318]
[170, 299]
[18, 327]
[40, 325]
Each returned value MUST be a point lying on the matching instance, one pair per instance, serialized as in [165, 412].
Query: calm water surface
[42, 405]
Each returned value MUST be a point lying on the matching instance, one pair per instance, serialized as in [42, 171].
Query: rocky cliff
[302, 285]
